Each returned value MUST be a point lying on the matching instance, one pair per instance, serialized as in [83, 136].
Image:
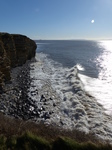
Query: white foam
[74, 109]
[79, 67]
[100, 89]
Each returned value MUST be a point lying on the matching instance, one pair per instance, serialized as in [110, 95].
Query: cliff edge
[15, 49]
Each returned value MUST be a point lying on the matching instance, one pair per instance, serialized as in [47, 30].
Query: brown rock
[15, 49]
[25, 48]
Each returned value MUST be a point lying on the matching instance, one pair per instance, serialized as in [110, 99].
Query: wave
[66, 87]
[100, 89]
[62, 78]
[79, 67]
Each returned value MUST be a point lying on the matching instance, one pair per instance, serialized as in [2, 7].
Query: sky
[57, 19]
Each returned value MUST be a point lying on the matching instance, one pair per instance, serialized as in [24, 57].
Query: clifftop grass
[20, 135]
[29, 141]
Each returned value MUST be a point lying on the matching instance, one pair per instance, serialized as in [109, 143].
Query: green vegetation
[70, 144]
[29, 141]
[24, 135]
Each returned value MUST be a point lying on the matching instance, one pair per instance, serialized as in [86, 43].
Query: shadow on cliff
[15, 50]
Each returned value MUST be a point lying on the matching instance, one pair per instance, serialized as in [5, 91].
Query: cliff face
[14, 51]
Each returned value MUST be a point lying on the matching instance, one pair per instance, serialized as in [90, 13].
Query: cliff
[15, 49]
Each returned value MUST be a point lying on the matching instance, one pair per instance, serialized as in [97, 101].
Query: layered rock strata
[15, 49]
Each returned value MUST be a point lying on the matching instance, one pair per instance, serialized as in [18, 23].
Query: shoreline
[14, 93]
[17, 102]
[76, 109]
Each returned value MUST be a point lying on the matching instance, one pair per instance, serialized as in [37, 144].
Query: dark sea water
[93, 60]
[70, 53]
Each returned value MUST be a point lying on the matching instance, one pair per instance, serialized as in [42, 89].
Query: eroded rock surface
[15, 49]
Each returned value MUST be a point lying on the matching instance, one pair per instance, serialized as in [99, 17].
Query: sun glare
[105, 60]
[107, 44]
[92, 21]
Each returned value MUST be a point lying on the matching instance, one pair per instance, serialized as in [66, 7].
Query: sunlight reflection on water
[105, 61]
[101, 88]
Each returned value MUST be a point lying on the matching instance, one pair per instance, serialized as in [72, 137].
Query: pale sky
[57, 19]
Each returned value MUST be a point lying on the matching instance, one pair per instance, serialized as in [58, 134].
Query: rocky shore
[16, 96]
[16, 100]
[34, 93]
[42, 91]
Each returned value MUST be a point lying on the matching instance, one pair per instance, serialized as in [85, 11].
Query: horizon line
[73, 39]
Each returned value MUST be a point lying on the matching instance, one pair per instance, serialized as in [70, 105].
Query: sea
[93, 60]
